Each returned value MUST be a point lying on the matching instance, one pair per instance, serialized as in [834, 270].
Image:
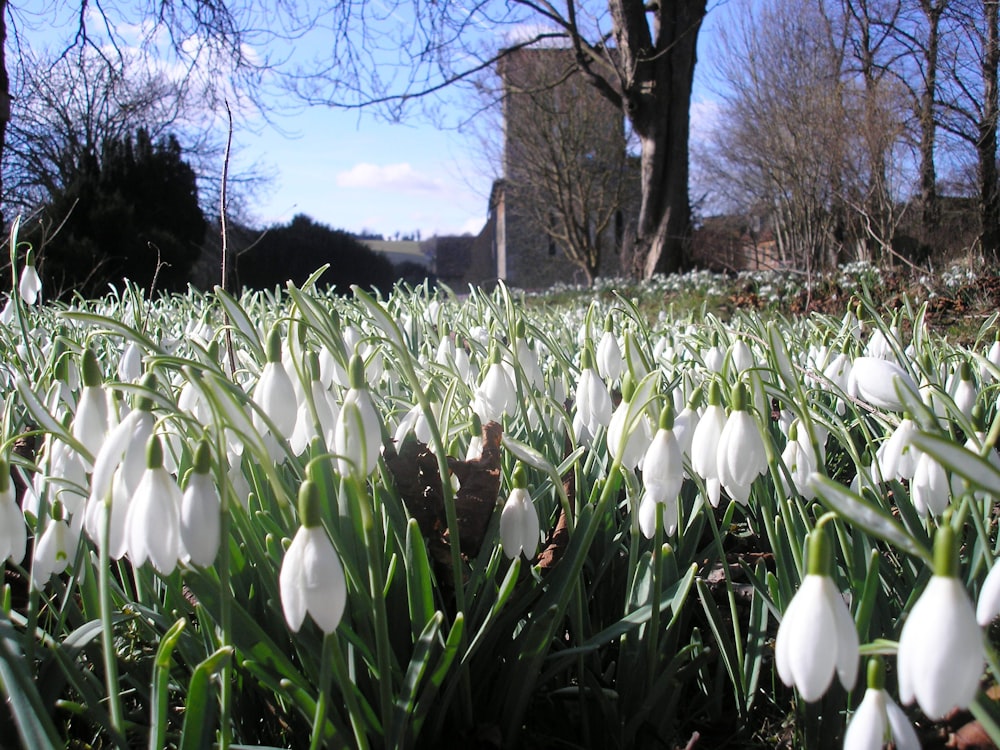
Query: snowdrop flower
[130, 363]
[357, 434]
[201, 512]
[838, 372]
[91, 422]
[993, 357]
[705, 443]
[686, 422]
[475, 449]
[312, 578]
[628, 442]
[274, 392]
[13, 533]
[878, 719]
[55, 548]
[897, 456]
[496, 395]
[527, 358]
[519, 527]
[29, 286]
[152, 526]
[715, 358]
[741, 449]
[878, 346]
[7, 314]
[876, 380]
[930, 489]
[817, 636]
[800, 462]
[662, 476]
[610, 362]
[740, 358]
[64, 477]
[989, 596]
[963, 389]
[941, 654]
[593, 402]
[316, 415]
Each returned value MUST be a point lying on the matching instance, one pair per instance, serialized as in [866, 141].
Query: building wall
[538, 81]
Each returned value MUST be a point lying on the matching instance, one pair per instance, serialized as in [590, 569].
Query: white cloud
[400, 177]
[472, 226]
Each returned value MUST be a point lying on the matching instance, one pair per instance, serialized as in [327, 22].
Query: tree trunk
[986, 146]
[657, 71]
[929, 209]
[4, 99]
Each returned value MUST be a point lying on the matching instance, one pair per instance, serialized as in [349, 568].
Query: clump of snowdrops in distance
[211, 530]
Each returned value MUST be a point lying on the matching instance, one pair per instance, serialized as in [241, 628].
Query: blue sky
[350, 170]
[354, 172]
[359, 173]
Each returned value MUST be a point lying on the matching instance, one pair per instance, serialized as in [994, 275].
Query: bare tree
[969, 107]
[878, 101]
[400, 51]
[638, 55]
[193, 54]
[66, 109]
[560, 153]
[783, 143]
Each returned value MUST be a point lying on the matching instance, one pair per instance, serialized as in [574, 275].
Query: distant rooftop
[399, 251]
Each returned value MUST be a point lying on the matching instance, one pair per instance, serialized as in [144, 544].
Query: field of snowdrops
[299, 518]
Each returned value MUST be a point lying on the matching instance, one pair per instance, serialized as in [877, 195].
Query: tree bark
[4, 98]
[986, 145]
[929, 208]
[657, 72]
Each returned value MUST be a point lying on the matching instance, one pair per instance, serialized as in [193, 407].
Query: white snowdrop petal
[293, 595]
[988, 606]
[867, 730]
[903, 734]
[200, 520]
[941, 653]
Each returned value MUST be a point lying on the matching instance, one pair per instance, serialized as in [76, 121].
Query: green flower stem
[319, 718]
[376, 582]
[226, 621]
[405, 360]
[876, 673]
[633, 491]
[346, 684]
[19, 308]
[731, 596]
[819, 559]
[653, 634]
[107, 631]
[945, 552]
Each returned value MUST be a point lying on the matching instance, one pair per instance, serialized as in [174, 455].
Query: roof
[399, 251]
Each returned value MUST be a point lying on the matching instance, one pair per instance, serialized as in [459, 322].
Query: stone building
[569, 189]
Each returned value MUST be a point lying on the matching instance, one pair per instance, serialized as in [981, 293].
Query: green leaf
[161, 681]
[866, 515]
[239, 318]
[423, 652]
[32, 718]
[110, 325]
[198, 729]
[419, 589]
[724, 639]
[972, 467]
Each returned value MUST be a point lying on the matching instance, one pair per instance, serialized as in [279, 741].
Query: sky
[352, 171]
[361, 174]
[357, 173]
